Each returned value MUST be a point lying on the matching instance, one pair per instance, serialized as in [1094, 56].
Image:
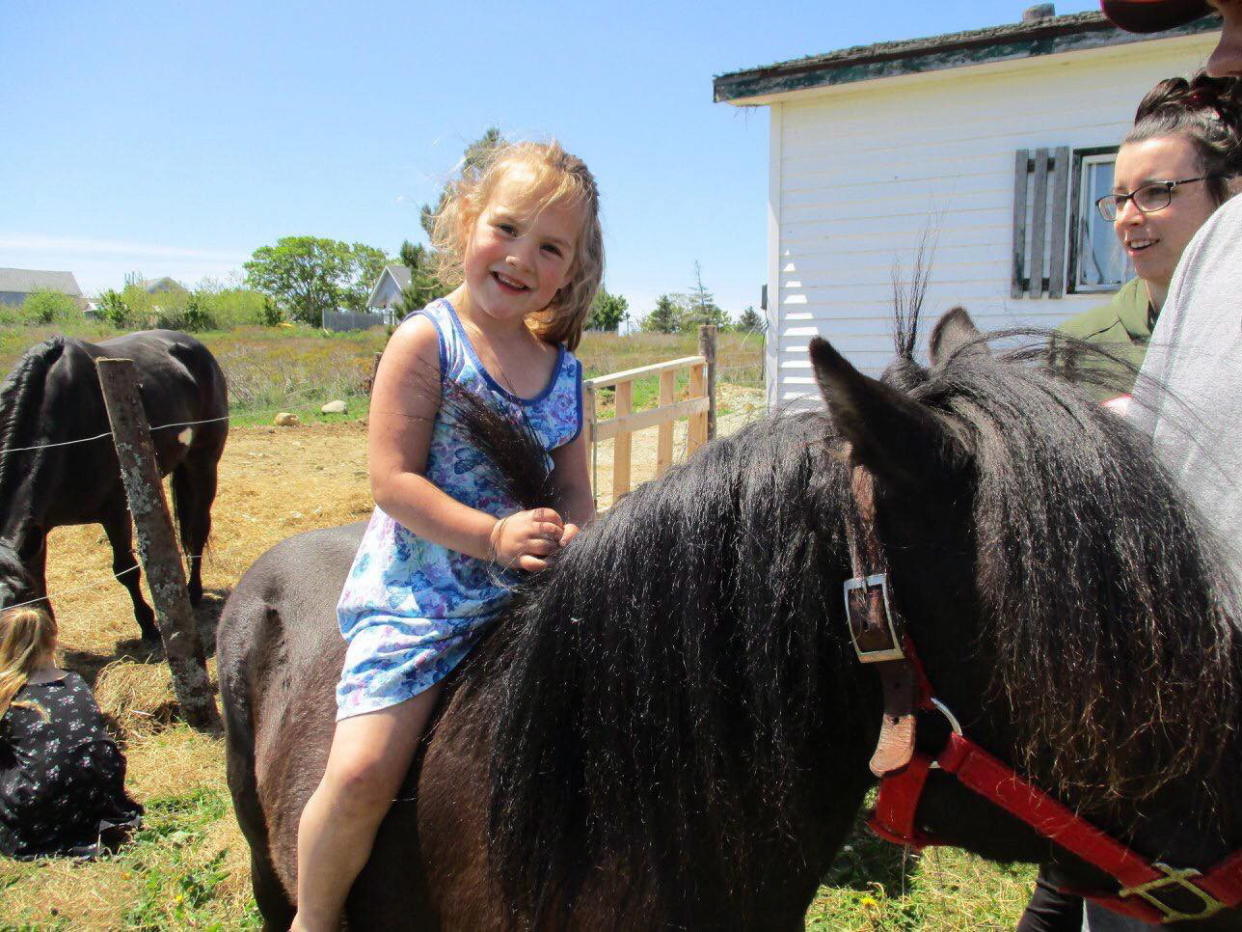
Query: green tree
[701, 307]
[667, 316]
[114, 309]
[308, 275]
[607, 311]
[46, 307]
[750, 320]
[424, 286]
[368, 263]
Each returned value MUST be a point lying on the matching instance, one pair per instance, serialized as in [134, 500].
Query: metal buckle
[1179, 878]
[863, 584]
[954, 724]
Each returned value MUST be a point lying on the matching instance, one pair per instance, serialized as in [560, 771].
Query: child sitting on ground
[62, 778]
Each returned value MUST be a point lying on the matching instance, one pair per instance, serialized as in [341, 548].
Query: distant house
[157, 285]
[994, 142]
[388, 287]
[16, 285]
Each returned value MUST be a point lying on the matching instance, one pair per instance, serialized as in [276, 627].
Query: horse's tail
[212, 400]
[194, 478]
[21, 397]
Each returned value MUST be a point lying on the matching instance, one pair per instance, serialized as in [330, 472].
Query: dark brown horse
[53, 397]
[669, 728]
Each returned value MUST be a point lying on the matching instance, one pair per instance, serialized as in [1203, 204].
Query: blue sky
[176, 138]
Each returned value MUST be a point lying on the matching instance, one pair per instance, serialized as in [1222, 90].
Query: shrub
[234, 307]
[114, 310]
[48, 307]
[192, 318]
[272, 314]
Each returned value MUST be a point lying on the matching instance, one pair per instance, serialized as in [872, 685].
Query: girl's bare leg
[369, 758]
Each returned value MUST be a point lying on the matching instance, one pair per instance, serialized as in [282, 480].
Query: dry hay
[137, 698]
[174, 761]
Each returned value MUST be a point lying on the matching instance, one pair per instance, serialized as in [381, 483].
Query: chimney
[1033, 14]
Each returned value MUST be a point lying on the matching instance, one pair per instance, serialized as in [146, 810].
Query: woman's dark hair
[1205, 110]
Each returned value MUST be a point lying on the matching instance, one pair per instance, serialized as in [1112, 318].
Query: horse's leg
[194, 490]
[125, 568]
[34, 558]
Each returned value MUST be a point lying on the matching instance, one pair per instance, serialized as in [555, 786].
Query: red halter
[878, 638]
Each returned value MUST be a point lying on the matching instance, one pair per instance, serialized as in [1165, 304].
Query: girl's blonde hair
[27, 638]
[560, 179]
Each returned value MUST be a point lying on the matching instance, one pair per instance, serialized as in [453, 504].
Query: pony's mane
[1118, 645]
[678, 646]
[20, 397]
[658, 698]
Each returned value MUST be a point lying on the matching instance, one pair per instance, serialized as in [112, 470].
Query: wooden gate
[698, 408]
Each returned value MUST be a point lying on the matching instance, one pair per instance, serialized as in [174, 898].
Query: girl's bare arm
[573, 481]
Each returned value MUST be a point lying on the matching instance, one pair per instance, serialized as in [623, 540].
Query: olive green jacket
[1122, 326]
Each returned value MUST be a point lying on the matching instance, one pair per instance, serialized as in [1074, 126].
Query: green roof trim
[1072, 33]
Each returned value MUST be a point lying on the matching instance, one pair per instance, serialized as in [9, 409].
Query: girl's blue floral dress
[411, 609]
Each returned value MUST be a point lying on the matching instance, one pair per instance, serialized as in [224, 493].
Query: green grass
[178, 879]
[168, 877]
[181, 880]
[874, 885]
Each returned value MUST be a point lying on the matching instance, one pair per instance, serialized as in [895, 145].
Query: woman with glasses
[1179, 163]
[1173, 170]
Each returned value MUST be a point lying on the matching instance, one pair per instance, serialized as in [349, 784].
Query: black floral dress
[62, 778]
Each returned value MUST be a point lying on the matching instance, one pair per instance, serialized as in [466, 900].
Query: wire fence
[68, 443]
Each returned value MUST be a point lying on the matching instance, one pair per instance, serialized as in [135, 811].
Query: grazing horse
[53, 397]
[669, 728]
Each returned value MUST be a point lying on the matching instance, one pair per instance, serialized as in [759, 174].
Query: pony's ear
[891, 434]
[955, 332]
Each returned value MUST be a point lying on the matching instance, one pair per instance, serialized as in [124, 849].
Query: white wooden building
[992, 143]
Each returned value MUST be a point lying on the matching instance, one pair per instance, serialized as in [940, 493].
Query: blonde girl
[521, 239]
[62, 778]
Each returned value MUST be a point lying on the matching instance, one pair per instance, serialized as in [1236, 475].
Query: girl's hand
[526, 538]
[571, 531]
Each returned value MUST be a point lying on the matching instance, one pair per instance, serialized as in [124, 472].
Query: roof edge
[1069, 33]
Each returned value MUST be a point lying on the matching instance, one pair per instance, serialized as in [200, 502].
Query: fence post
[664, 440]
[588, 424]
[707, 349]
[157, 544]
[623, 404]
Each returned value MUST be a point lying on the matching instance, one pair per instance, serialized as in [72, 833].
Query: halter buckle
[1180, 879]
[870, 619]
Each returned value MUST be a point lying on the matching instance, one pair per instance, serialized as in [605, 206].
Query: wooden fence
[698, 408]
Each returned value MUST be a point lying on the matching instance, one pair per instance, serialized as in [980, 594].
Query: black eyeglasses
[1148, 199]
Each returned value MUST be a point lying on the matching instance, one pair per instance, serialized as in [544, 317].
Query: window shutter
[1040, 204]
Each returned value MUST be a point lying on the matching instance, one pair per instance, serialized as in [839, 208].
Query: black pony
[53, 396]
[670, 729]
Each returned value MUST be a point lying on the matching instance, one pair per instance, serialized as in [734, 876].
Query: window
[1097, 262]
[1060, 242]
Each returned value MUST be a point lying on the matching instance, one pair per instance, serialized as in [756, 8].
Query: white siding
[860, 173]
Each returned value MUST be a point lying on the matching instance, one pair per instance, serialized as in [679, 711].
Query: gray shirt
[1189, 396]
